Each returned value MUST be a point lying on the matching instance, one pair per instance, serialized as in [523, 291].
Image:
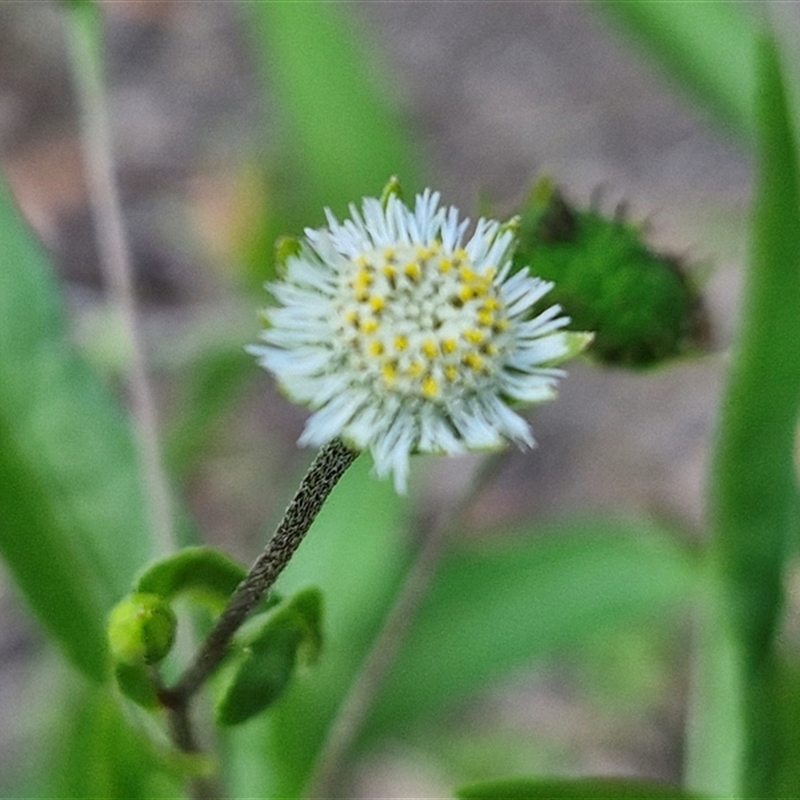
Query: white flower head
[404, 336]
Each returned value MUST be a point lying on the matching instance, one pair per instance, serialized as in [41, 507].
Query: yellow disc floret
[428, 322]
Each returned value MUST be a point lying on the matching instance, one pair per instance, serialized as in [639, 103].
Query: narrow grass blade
[754, 488]
[707, 48]
[496, 607]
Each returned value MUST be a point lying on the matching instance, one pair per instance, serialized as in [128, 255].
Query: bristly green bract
[643, 306]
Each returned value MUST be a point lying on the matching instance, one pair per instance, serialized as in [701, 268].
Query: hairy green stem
[324, 473]
[180, 728]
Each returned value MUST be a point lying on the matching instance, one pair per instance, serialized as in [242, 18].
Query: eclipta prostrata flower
[405, 336]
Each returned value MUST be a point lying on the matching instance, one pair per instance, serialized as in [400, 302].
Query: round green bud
[141, 629]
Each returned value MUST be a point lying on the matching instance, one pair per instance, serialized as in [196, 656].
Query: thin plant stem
[85, 40]
[199, 787]
[375, 668]
[181, 732]
[327, 468]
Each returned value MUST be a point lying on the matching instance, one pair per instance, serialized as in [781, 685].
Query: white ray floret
[403, 337]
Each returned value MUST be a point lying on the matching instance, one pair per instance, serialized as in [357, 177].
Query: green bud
[141, 629]
[285, 248]
[642, 306]
[577, 342]
[392, 188]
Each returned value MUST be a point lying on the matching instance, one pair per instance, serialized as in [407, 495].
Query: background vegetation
[627, 615]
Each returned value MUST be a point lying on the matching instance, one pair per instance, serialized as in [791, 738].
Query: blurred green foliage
[590, 789]
[342, 138]
[754, 490]
[71, 505]
[72, 528]
[708, 50]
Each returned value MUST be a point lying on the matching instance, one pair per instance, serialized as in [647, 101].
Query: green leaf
[136, 683]
[714, 728]
[72, 524]
[754, 490]
[305, 611]
[498, 605]
[203, 571]
[214, 383]
[269, 653]
[261, 676]
[583, 789]
[708, 48]
[98, 753]
[346, 135]
[754, 501]
[789, 678]
[343, 138]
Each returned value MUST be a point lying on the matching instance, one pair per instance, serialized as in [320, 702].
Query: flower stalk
[328, 467]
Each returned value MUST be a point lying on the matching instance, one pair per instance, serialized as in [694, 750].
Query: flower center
[421, 321]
